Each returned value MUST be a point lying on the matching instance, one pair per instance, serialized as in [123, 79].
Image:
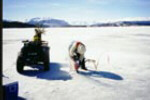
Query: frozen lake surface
[123, 71]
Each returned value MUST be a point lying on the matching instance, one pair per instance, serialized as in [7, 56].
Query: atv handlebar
[43, 43]
[25, 41]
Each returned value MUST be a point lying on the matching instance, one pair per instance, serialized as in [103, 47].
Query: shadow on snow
[21, 98]
[55, 73]
[102, 74]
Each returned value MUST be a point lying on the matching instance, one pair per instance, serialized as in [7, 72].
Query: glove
[75, 57]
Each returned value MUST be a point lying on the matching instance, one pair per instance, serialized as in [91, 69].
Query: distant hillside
[16, 24]
[48, 22]
[123, 23]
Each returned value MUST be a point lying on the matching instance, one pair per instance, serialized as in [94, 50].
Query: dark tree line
[16, 24]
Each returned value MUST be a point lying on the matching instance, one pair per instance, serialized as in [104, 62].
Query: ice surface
[123, 73]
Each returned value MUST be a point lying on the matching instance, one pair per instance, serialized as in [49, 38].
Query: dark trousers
[82, 64]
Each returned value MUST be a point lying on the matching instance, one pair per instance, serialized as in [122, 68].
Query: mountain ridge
[50, 22]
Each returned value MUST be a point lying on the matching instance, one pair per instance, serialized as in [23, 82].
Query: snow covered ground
[123, 72]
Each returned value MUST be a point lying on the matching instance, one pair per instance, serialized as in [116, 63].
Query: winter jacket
[73, 52]
[37, 37]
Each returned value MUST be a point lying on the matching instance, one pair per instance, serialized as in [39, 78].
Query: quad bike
[33, 53]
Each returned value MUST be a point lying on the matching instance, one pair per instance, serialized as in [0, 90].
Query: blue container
[10, 89]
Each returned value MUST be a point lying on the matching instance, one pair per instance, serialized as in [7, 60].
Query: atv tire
[46, 60]
[20, 65]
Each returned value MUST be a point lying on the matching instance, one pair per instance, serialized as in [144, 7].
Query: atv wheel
[20, 65]
[46, 60]
[46, 64]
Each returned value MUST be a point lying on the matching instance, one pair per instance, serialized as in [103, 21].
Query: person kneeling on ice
[76, 54]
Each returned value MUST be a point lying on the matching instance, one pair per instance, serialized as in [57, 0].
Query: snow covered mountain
[48, 22]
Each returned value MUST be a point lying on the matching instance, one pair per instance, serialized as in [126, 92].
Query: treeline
[16, 24]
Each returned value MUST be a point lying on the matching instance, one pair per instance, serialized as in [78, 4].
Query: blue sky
[76, 10]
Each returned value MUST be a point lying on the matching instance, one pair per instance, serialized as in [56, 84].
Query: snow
[123, 72]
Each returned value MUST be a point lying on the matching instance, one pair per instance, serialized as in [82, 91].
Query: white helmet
[81, 49]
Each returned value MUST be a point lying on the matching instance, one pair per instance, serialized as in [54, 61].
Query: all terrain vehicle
[33, 53]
